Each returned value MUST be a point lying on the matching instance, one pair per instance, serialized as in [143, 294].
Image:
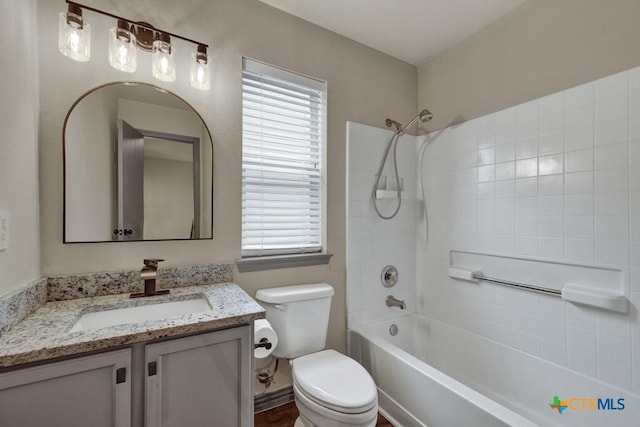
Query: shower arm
[423, 116]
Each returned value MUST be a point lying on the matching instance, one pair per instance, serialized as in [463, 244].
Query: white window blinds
[283, 133]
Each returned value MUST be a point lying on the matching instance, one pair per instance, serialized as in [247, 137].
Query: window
[283, 139]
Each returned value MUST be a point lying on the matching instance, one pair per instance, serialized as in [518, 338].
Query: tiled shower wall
[372, 242]
[555, 178]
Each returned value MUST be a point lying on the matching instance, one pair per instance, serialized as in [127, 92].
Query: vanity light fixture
[163, 66]
[122, 47]
[74, 34]
[74, 41]
[200, 74]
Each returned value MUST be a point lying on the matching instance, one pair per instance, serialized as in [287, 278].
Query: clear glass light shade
[163, 66]
[200, 71]
[122, 50]
[74, 37]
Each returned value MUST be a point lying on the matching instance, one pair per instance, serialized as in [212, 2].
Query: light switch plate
[4, 230]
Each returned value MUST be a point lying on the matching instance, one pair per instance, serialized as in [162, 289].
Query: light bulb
[122, 54]
[73, 41]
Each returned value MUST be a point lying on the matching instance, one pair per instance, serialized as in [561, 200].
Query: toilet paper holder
[263, 343]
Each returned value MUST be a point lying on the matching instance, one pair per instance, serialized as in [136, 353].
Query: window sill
[248, 265]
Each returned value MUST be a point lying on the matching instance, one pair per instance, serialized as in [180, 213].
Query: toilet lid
[335, 381]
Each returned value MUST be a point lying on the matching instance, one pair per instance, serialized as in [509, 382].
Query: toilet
[330, 389]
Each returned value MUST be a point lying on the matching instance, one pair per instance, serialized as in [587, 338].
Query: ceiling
[411, 30]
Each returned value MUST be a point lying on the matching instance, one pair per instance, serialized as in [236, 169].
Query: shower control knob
[389, 276]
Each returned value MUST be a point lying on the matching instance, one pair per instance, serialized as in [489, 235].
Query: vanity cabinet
[197, 380]
[201, 380]
[85, 391]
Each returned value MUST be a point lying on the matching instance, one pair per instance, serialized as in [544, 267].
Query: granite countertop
[45, 334]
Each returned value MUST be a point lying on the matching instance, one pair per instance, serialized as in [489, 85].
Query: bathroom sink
[111, 316]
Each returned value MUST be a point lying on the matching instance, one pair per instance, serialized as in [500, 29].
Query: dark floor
[285, 416]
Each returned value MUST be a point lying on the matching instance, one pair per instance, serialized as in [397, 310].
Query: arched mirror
[138, 165]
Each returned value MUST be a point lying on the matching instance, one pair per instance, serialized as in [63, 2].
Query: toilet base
[314, 415]
[301, 421]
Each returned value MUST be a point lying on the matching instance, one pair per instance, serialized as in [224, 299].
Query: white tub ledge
[587, 295]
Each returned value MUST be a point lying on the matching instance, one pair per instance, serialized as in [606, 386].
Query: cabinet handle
[121, 375]
[152, 368]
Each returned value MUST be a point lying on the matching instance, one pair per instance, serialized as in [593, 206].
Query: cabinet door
[86, 391]
[202, 380]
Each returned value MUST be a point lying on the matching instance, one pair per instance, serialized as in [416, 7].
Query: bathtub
[434, 374]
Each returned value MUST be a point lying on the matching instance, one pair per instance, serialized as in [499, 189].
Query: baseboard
[268, 401]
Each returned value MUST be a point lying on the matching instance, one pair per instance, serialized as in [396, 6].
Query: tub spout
[394, 302]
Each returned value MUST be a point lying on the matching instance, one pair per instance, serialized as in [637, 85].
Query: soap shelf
[588, 295]
[578, 293]
[388, 188]
[387, 194]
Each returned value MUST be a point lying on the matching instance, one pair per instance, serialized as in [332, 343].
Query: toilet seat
[334, 381]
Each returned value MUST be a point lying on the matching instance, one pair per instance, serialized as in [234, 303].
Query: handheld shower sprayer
[422, 117]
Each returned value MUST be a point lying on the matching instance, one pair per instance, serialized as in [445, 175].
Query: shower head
[423, 117]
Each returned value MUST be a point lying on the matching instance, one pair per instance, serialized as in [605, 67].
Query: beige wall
[20, 263]
[363, 85]
[541, 47]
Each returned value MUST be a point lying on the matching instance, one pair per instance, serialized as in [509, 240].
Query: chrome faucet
[149, 273]
[395, 302]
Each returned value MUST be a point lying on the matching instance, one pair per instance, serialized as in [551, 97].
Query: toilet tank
[300, 315]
